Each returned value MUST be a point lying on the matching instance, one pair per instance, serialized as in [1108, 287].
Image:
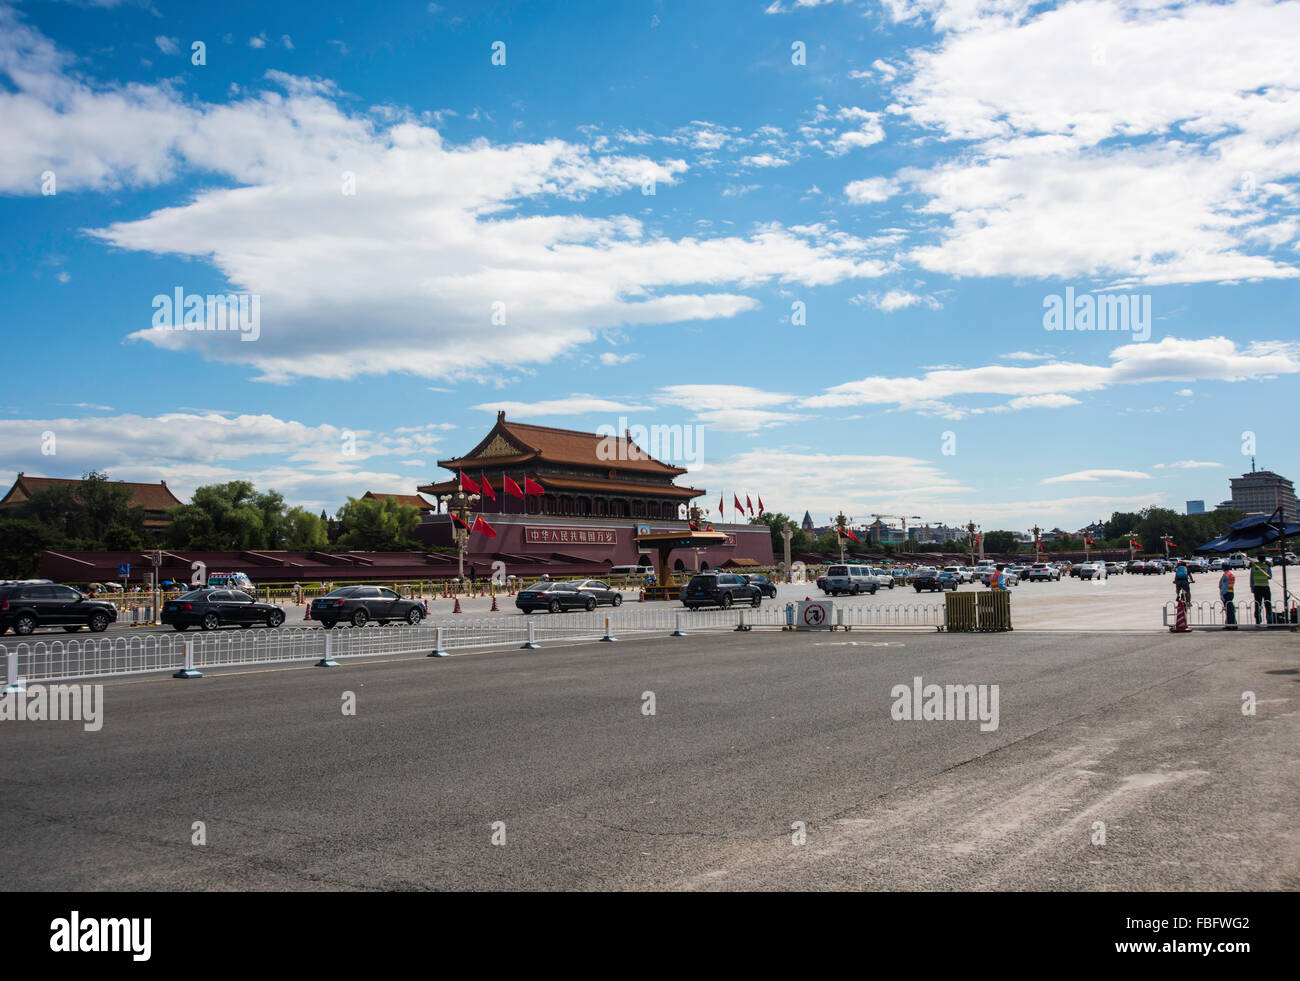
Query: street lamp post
[459, 504]
[841, 523]
[1131, 550]
[787, 533]
[1166, 539]
[1038, 545]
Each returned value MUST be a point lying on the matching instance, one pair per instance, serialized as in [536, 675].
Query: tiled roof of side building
[151, 497]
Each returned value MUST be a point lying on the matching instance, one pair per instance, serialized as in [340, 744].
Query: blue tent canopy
[1252, 532]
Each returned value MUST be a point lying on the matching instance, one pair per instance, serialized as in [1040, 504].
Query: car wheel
[211, 621]
[359, 618]
[274, 619]
[527, 610]
[327, 624]
[181, 627]
[918, 589]
[414, 617]
[856, 590]
[555, 606]
[726, 601]
[72, 628]
[99, 623]
[24, 624]
[874, 587]
[757, 601]
[617, 600]
[590, 605]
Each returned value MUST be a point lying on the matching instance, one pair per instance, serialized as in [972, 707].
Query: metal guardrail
[1207, 615]
[60, 659]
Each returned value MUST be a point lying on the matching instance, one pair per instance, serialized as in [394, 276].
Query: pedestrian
[1227, 582]
[1262, 588]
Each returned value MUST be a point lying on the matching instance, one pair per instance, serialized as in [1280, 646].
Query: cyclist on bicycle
[1182, 582]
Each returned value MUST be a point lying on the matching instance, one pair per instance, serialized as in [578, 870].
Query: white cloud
[574, 405]
[870, 190]
[609, 358]
[167, 45]
[896, 300]
[1097, 476]
[1188, 465]
[257, 42]
[1042, 402]
[1096, 141]
[1171, 359]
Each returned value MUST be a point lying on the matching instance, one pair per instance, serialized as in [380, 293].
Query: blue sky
[859, 213]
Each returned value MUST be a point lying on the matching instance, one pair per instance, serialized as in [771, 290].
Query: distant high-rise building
[1195, 507]
[1263, 492]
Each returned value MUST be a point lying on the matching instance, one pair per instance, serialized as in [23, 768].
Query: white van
[852, 579]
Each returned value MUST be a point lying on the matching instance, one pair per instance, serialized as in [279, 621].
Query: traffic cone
[641, 598]
[495, 608]
[307, 614]
[457, 608]
[426, 608]
[1180, 621]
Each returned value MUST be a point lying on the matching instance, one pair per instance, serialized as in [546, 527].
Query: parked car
[765, 585]
[25, 606]
[212, 608]
[1114, 568]
[948, 580]
[962, 572]
[721, 589]
[604, 593]
[851, 579]
[360, 604]
[926, 579]
[1237, 560]
[1092, 570]
[1042, 572]
[554, 597]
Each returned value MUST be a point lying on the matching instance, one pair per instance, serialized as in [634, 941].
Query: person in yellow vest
[1261, 586]
[1227, 583]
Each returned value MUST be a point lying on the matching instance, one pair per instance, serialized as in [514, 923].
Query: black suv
[720, 589]
[358, 605]
[766, 585]
[26, 606]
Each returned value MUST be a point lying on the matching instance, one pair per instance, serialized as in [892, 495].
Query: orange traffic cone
[426, 608]
[1180, 621]
[641, 598]
[307, 614]
[495, 608]
[457, 608]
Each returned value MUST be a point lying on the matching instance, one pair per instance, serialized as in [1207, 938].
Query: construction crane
[900, 517]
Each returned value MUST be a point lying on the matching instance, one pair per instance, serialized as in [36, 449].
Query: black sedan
[554, 597]
[359, 605]
[605, 594]
[765, 585]
[723, 590]
[211, 608]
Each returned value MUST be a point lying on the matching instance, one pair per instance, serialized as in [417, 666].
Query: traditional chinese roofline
[549, 445]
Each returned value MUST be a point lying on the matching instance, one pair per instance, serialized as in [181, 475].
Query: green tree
[227, 517]
[377, 524]
[1000, 541]
[304, 531]
[96, 514]
[21, 539]
[800, 541]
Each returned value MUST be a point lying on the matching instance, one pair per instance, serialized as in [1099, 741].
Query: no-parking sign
[813, 615]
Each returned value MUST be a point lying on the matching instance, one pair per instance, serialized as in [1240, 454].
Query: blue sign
[124, 569]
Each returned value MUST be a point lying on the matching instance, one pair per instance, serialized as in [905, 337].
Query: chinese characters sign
[538, 535]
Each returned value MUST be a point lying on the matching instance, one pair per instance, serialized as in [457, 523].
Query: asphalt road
[751, 733]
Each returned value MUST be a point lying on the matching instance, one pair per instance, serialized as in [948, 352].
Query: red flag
[452, 515]
[512, 488]
[488, 492]
[720, 500]
[533, 487]
[1136, 544]
[710, 528]
[848, 533]
[760, 505]
[1173, 544]
[739, 507]
[483, 526]
[749, 504]
[693, 526]
[467, 484]
[1090, 541]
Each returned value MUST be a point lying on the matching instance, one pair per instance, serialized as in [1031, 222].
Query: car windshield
[342, 591]
[838, 570]
[194, 594]
[926, 571]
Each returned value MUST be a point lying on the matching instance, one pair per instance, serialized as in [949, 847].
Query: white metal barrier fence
[58, 658]
[1207, 614]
